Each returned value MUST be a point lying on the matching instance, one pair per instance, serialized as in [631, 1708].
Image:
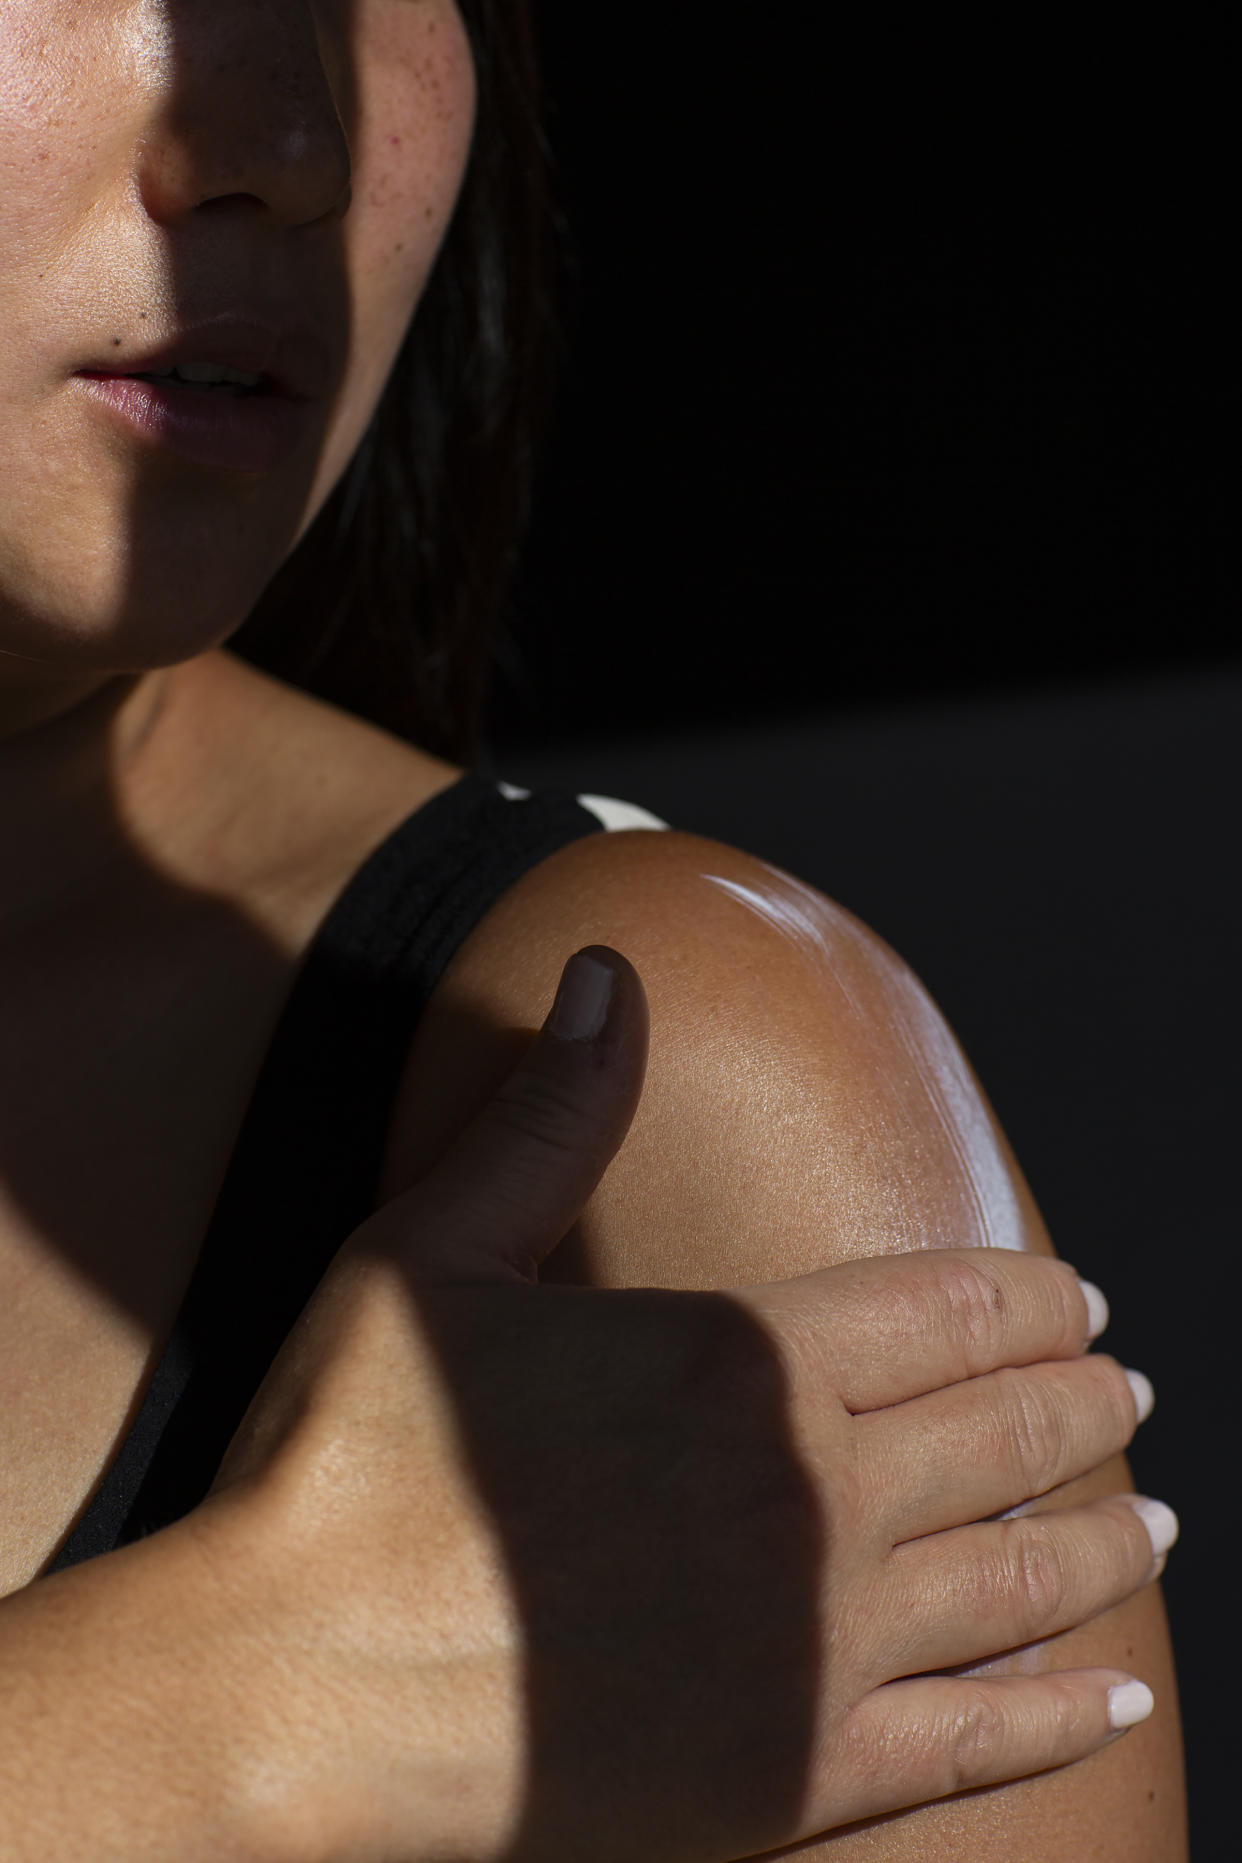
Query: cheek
[53, 117]
[416, 111]
[409, 109]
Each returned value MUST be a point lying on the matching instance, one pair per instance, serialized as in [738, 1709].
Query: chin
[96, 633]
[135, 598]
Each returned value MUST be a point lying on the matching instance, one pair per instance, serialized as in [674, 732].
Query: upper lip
[295, 360]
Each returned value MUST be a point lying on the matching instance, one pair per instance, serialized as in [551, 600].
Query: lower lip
[245, 433]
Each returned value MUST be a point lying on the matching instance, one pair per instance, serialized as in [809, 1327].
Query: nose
[241, 106]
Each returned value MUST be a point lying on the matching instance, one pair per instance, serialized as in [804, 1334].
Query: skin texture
[805, 1103]
[163, 160]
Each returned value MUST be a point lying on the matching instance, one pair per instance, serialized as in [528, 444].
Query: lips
[243, 432]
[292, 361]
[262, 386]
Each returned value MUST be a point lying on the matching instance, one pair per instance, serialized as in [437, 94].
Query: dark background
[886, 529]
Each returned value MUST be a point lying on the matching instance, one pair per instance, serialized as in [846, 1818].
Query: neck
[71, 759]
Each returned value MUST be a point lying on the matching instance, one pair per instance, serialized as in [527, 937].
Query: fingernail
[1161, 1522]
[1097, 1308]
[1144, 1396]
[581, 1006]
[1128, 1703]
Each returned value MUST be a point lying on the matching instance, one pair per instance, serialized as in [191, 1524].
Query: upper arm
[804, 1102]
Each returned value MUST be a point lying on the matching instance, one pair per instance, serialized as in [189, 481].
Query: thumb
[517, 1177]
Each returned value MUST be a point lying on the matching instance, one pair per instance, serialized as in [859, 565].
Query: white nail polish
[1097, 1308]
[1144, 1396]
[1128, 1703]
[1161, 1523]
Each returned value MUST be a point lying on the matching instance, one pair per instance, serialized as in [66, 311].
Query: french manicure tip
[1144, 1395]
[1163, 1526]
[1097, 1308]
[1129, 1703]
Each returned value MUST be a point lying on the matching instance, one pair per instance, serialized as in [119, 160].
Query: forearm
[129, 1728]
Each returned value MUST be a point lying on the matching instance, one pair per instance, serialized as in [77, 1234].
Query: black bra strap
[305, 1170]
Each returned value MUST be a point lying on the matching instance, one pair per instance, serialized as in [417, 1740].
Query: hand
[556, 1572]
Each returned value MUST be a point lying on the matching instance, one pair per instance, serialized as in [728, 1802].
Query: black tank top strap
[305, 1170]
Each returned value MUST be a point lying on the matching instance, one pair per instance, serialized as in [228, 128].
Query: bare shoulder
[781, 1027]
[805, 1102]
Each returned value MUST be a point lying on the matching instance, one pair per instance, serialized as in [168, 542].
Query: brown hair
[391, 604]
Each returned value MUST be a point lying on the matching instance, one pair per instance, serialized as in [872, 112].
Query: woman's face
[167, 161]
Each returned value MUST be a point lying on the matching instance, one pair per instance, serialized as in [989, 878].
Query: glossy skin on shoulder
[804, 1103]
[145, 178]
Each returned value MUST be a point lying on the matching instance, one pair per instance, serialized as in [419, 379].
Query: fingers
[999, 1584]
[898, 1326]
[913, 1741]
[516, 1179]
[973, 1449]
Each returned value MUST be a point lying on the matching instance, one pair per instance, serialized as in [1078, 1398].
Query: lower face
[139, 190]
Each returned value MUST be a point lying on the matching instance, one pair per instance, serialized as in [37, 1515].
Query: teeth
[208, 372]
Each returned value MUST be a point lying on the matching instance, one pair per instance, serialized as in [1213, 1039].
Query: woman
[208, 872]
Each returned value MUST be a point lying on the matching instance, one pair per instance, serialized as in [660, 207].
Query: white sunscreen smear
[827, 937]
